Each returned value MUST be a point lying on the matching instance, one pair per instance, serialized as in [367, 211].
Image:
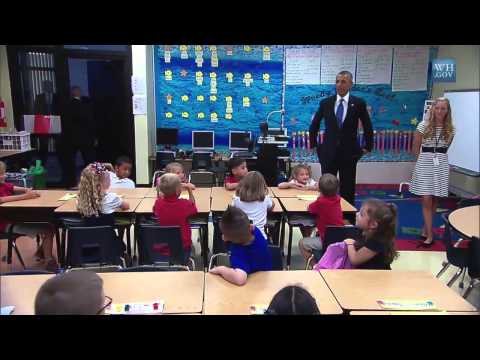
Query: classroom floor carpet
[410, 218]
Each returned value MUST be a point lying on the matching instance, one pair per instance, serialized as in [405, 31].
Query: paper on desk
[307, 197]
[258, 309]
[418, 305]
[7, 310]
[68, 196]
[155, 307]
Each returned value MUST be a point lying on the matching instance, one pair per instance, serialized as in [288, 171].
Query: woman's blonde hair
[447, 129]
[296, 169]
[252, 187]
[385, 214]
[90, 194]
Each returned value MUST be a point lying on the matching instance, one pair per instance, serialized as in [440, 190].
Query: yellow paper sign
[68, 196]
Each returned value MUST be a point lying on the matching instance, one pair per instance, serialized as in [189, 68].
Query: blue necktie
[340, 114]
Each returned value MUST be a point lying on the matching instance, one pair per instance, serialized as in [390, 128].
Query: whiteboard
[465, 149]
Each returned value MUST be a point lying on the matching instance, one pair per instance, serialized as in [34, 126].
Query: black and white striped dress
[428, 179]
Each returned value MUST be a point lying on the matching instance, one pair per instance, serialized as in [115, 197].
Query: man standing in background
[340, 151]
[78, 133]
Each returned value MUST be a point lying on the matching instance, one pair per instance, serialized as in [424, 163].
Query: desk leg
[58, 244]
[205, 246]
[129, 245]
[63, 247]
[282, 234]
[290, 239]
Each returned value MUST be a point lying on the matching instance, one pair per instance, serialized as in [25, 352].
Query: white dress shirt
[345, 105]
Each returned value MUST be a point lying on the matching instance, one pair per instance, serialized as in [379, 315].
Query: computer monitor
[203, 140]
[167, 136]
[239, 140]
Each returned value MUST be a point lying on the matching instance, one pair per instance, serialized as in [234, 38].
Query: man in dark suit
[78, 133]
[46, 103]
[340, 150]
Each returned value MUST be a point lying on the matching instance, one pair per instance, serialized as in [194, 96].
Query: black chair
[296, 221]
[468, 202]
[275, 253]
[152, 268]
[156, 175]
[93, 246]
[154, 236]
[30, 272]
[164, 158]
[202, 161]
[455, 256]
[12, 245]
[202, 178]
[473, 264]
[334, 234]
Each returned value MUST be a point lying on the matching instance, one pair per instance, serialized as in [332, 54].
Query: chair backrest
[468, 202]
[151, 268]
[334, 234]
[474, 258]
[92, 245]
[277, 260]
[164, 158]
[202, 178]
[201, 160]
[151, 237]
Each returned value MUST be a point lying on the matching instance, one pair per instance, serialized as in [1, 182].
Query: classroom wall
[5, 89]
[468, 68]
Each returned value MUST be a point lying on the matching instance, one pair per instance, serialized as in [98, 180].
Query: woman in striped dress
[431, 173]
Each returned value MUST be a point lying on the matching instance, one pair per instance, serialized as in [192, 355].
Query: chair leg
[469, 289]
[455, 277]
[129, 247]
[289, 251]
[445, 267]
[18, 255]
[307, 266]
[460, 285]
[58, 245]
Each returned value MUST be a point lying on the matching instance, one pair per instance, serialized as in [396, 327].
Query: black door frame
[61, 56]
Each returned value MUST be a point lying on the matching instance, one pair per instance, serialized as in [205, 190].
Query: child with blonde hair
[252, 197]
[8, 193]
[178, 169]
[301, 179]
[376, 249]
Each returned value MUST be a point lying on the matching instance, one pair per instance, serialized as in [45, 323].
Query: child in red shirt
[238, 169]
[170, 210]
[328, 211]
[9, 192]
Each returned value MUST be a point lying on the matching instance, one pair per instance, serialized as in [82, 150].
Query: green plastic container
[39, 175]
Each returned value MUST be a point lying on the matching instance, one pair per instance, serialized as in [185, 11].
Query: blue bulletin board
[250, 76]
[240, 85]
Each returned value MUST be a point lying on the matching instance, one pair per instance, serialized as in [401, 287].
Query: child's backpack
[335, 257]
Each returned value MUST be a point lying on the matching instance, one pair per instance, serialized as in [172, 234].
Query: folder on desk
[408, 305]
[307, 197]
[68, 196]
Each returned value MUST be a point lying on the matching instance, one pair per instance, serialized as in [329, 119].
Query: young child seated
[327, 210]
[238, 169]
[8, 193]
[247, 245]
[72, 293]
[376, 249]
[301, 179]
[170, 210]
[120, 172]
[252, 197]
[293, 300]
[95, 203]
[177, 169]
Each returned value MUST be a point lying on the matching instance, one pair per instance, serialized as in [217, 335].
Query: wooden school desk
[202, 201]
[20, 291]
[360, 289]
[203, 192]
[295, 206]
[224, 298]
[137, 193]
[466, 221]
[413, 313]
[291, 193]
[182, 291]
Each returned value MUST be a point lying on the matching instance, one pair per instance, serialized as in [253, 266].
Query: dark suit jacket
[344, 140]
[78, 123]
